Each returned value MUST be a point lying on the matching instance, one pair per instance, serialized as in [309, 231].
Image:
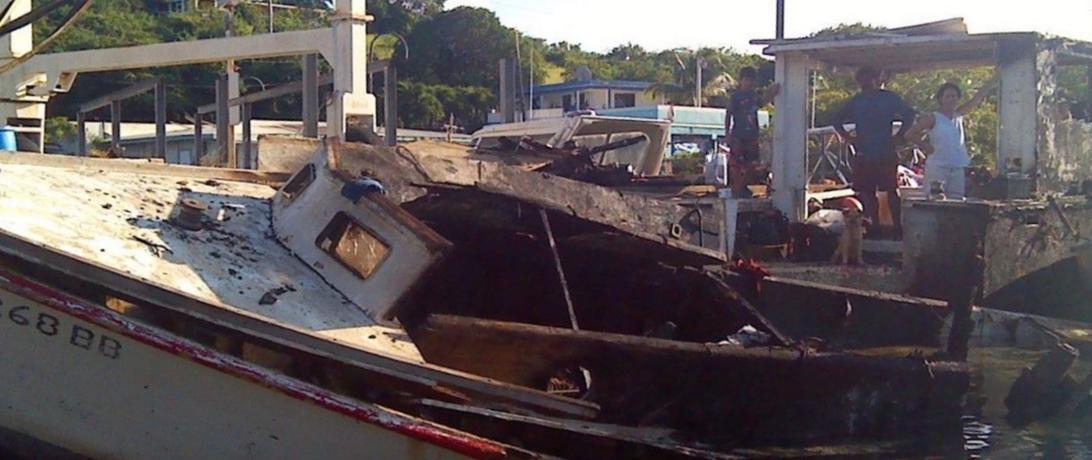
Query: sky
[599, 25]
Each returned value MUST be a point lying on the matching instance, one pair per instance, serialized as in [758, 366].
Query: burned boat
[381, 277]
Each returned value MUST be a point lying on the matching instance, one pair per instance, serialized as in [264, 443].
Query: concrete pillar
[1017, 134]
[390, 100]
[81, 134]
[161, 120]
[351, 98]
[19, 42]
[248, 146]
[115, 124]
[790, 176]
[310, 96]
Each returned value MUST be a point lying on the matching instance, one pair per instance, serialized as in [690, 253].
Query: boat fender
[361, 186]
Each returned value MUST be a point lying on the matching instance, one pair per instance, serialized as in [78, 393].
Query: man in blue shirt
[875, 168]
[741, 126]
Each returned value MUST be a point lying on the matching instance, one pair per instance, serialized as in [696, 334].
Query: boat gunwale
[292, 337]
[144, 167]
[418, 429]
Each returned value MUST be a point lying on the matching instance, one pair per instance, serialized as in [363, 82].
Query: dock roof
[944, 44]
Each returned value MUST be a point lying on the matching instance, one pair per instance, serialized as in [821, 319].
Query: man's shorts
[876, 174]
[744, 150]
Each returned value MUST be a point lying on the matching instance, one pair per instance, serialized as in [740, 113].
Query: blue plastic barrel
[7, 139]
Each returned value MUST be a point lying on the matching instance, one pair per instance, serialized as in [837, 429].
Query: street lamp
[259, 80]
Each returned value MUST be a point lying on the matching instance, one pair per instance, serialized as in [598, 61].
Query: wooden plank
[160, 120]
[81, 134]
[659, 438]
[279, 333]
[714, 389]
[115, 124]
[390, 105]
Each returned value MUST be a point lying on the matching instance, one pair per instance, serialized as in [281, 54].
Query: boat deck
[120, 219]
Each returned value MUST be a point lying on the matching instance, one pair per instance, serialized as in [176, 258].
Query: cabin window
[353, 245]
[623, 100]
[299, 182]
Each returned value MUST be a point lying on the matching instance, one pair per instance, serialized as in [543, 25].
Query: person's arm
[979, 97]
[916, 134]
[906, 115]
[731, 109]
[840, 120]
[771, 93]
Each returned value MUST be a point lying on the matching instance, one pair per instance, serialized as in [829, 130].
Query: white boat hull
[85, 379]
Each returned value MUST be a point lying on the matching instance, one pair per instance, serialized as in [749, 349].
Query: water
[986, 433]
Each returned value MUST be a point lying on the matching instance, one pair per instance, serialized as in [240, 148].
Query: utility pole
[780, 32]
[270, 2]
[697, 88]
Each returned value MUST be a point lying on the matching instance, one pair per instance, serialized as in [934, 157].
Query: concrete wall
[599, 99]
[1019, 240]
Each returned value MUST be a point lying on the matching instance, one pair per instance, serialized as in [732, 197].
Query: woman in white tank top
[946, 148]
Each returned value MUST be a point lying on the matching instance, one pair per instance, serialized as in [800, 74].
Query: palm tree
[681, 89]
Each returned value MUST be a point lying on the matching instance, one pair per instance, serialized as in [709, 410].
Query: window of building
[622, 100]
[567, 103]
[298, 183]
[353, 245]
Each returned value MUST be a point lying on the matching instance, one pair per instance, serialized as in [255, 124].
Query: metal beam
[124, 93]
[289, 88]
[272, 93]
[310, 96]
[69, 64]
[161, 120]
[390, 101]
[115, 124]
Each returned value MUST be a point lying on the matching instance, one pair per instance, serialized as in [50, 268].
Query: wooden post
[161, 120]
[115, 124]
[223, 121]
[248, 146]
[961, 305]
[198, 138]
[310, 96]
[81, 134]
[390, 99]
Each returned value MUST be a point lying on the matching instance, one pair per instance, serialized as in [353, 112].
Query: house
[588, 93]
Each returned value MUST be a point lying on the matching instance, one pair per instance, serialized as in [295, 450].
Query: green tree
[459, 47]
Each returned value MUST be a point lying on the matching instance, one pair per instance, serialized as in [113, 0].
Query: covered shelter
[1025, 224]
[1026, 62]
